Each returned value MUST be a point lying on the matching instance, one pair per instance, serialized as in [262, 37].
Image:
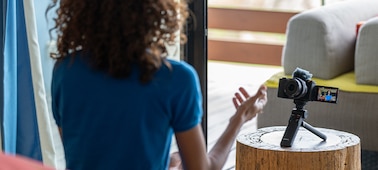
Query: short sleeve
[187, 101]
[55, 95]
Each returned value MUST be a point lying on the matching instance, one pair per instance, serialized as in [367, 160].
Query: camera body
[306, 90]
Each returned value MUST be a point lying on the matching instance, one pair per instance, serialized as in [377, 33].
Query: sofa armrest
[366, 57]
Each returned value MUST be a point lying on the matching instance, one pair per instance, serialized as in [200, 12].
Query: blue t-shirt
[110, 123]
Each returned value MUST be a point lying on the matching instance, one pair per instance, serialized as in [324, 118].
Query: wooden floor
[224, 79]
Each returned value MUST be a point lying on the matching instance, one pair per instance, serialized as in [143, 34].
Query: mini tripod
[298, 114]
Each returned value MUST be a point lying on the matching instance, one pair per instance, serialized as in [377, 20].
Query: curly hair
[119, 33]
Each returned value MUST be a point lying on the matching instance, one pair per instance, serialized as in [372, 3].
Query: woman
[116, 98]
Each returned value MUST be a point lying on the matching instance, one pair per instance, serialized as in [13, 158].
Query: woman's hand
[247, 107]
[175, 161]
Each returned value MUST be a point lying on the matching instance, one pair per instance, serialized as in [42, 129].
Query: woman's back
[108, 123]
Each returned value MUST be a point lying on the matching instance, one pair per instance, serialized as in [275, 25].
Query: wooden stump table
[261, 150]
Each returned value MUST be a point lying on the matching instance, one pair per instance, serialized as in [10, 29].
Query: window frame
[195, 50]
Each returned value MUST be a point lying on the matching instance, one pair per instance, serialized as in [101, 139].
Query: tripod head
[299, 104]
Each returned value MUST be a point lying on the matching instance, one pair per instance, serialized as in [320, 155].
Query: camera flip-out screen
[327, 94]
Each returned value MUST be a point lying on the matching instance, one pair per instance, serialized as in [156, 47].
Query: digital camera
[299, 89]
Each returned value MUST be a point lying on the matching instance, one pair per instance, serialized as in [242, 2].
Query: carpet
[369, 160]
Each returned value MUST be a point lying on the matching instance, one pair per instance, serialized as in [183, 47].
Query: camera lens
[295, 88]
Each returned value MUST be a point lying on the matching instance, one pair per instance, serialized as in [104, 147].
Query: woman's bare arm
[191, 143]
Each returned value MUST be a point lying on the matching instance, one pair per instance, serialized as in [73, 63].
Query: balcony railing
[235, 35]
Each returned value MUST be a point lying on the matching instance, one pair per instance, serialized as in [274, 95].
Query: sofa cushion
[322, 40]
[366, 56]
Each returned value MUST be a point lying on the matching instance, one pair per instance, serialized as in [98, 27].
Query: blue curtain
[28, 127]
[20, 123]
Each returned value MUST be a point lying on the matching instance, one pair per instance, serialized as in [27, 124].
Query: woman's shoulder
[181, 67]
[183, 73]
[72, 61]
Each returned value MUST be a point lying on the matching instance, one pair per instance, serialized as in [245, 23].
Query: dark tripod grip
[295, 122]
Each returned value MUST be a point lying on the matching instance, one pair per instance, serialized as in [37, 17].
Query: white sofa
[324, 41]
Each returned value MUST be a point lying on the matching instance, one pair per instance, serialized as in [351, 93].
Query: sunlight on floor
[232, 75]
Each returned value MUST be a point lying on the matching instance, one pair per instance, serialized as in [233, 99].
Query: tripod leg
[313, 130]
